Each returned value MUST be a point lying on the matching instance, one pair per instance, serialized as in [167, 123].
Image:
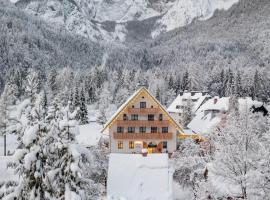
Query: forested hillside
[232, 45]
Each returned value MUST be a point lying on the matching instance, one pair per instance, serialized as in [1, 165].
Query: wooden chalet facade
[141, 124]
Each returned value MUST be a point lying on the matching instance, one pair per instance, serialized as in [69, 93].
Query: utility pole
[5, 145]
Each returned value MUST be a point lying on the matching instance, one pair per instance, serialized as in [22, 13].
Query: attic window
[177, 107]
[142, 97]
[152, 106]
[132, 106]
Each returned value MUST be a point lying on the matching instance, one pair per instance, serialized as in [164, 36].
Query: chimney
[215, 100]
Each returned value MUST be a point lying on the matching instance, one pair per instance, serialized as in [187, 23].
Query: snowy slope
[184, 11]
[108, 19]
[133, 177]
[94, 19]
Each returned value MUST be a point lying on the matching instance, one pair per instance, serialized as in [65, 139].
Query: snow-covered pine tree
[83, 113]
[238, 90]
[77, 101]
[4, 115]
[185, 81]
[52, 83]
[229, 90]
[186, 116]
[31, 84]
[102, 119]
[30, 157]
[65, 173]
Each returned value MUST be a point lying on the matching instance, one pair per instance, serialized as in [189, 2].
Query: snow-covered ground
[90, 134]
[133, 177]
[5, 173]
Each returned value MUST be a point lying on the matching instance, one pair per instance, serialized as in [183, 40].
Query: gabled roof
[124, 106]
[181, 100]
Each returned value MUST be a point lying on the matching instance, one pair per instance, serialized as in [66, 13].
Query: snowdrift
[133, 177]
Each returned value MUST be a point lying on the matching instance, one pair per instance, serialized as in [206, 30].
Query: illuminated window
[120, 145]
[131, 145]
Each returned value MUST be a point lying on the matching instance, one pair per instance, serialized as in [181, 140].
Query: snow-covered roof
[197, 98]
[133, 177]
[205, 122]
[189, 132]
[124, 106]
[216, 103]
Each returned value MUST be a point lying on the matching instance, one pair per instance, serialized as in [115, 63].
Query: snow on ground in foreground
[133, 177]
[5, 173]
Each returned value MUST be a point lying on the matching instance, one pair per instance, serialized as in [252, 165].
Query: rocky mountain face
[237, 38]
[116, 20]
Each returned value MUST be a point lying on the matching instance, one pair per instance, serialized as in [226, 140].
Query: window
[165, 129]
[120, 145]
[165, 145]
[131, 129]
[120, 129]
[151, 117]
[131, 144]
[134, 117]
[153, 129]
[125, 117]
[142, 129]
[143, 104]
[177, 106]
[160, 117]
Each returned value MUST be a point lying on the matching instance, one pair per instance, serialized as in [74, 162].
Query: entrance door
[152, 147]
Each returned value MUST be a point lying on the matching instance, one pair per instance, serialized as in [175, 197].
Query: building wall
[171, 143]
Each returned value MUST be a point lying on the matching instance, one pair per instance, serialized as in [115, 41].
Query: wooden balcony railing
[143, 111]
[142, 123]
[142, 136]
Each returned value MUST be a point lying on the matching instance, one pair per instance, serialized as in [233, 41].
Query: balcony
[143, 123]
[143, 111]
[142, 136]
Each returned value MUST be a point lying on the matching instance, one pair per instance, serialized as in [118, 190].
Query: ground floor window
[165, 144]
[131, 144]
[120, 145]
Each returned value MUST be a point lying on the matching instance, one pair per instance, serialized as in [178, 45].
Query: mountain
[114, 20]
[183, 12]
[94, 19]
